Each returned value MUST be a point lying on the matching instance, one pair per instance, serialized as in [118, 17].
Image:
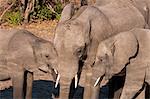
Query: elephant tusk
[55, 71]
[76, 80]
[57, 80]
[97, 81]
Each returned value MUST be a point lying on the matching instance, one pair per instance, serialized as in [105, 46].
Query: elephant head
[45, 54]
[72, 40]
[113, 55]
[32, 52]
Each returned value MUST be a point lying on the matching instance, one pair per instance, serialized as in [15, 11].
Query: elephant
[77, 37]
[142, 5]
[127, 50]
[21, 53]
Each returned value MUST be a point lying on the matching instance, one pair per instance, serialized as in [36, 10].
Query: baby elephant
[127, 49]
[21, 53]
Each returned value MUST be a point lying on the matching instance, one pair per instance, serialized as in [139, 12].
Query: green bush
[58, 9]
[42, 12]
[13, 17]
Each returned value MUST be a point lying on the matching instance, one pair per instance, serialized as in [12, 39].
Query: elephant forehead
[102, 49]
[73, 40]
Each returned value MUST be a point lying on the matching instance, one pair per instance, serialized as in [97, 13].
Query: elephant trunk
[98, 74]
[65, 87]
[96, 88]
[67, 73]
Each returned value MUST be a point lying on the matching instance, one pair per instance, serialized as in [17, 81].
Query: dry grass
[44, 29]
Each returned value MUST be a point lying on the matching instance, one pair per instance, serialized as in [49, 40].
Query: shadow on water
[41, 90]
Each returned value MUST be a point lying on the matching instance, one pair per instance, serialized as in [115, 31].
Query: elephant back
[5, 37]
[129, 16]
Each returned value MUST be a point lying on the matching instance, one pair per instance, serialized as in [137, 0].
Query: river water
[43, 89]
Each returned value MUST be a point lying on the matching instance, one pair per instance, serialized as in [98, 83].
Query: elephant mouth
[31, 69]
[44, 68]
[59, 76]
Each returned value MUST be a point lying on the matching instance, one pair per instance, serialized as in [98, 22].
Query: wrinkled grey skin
[127, 49]
[79, 35]
[142, 5]
[20, 52]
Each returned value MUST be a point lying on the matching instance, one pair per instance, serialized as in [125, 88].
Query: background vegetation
[17, 12]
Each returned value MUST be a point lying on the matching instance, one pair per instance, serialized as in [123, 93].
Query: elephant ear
[37, 50]
[86, 31]
[124, 48]
[67, 12]
[110, 57]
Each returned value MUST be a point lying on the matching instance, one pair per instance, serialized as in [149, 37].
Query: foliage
[58, 9]
[45, 13]
[13, 17]
[42, 12]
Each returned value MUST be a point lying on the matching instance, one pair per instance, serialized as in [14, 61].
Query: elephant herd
[96, 42]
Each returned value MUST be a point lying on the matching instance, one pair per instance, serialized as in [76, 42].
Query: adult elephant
[128, 50]
[21, 53]
[78, 36]
[142, 5]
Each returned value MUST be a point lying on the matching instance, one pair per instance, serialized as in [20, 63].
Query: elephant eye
[103, 59]
[47, 56]
[79, 52]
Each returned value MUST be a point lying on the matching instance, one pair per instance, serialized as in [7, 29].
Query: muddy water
[43, 90]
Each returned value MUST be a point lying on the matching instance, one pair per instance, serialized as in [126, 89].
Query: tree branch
[6, 10]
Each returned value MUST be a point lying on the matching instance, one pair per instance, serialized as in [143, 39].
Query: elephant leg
[115, 86]
[85, 81]
[135, 74]
[29, 85]
[18, 81]
[142, 94]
